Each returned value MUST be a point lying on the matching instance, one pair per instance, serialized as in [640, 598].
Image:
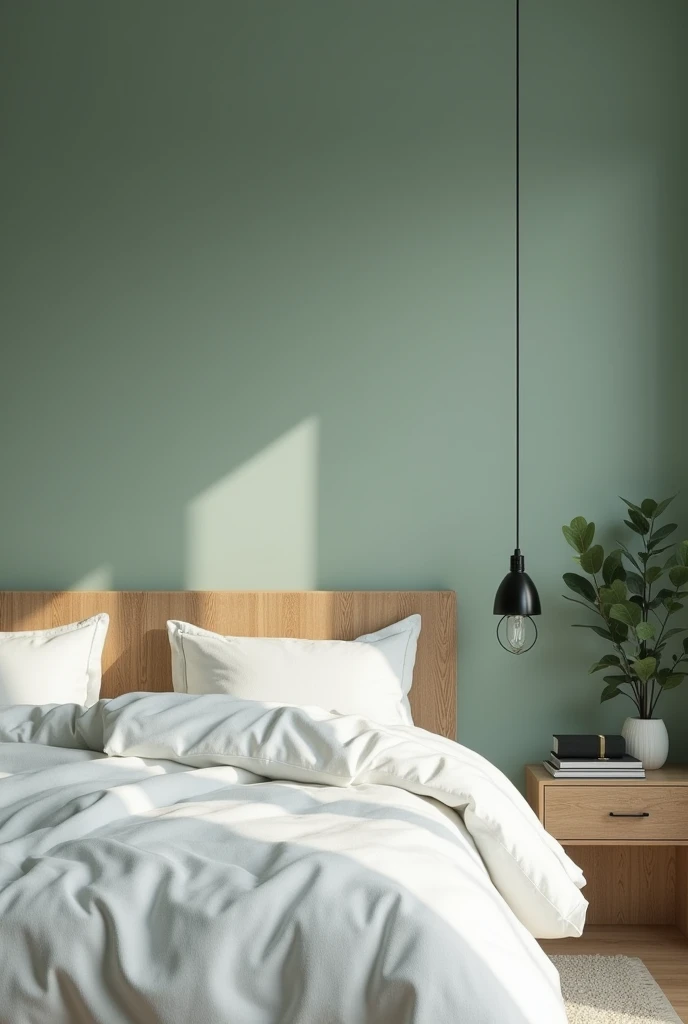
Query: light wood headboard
[137, 655]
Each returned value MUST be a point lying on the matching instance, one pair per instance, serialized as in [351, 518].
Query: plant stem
[647, 705]
[660, 691]
[629, 672]
[666, 619]
[630, 697]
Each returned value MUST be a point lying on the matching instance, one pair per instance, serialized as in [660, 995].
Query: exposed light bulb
[516, 632]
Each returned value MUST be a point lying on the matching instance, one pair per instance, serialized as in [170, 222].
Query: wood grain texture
[585, 813]
[664, 951]
[633, 877]
[137, 656]
[535, 794]
[628, 884]
[670, 774]
[682, 888]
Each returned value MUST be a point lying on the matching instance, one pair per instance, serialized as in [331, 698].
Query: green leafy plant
[628, 593]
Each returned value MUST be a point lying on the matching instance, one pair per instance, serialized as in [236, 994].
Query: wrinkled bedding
[171, 858]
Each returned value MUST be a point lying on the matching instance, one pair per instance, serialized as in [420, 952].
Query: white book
[594, 773]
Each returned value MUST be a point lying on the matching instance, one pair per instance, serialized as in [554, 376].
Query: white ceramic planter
[647, 738]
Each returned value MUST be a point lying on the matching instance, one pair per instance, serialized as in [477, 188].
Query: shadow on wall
[257, 527]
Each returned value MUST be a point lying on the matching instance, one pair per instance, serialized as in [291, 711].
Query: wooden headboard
[137, 656]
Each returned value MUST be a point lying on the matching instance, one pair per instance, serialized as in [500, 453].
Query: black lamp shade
[517, 594]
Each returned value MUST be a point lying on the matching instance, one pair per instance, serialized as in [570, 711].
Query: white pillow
[370, 676]
[53, 666]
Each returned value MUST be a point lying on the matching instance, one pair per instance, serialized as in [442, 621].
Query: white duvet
[177, 859]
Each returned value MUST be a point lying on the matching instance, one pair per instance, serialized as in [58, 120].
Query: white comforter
[198, 859]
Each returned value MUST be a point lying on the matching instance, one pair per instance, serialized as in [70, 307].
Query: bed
[172, 857]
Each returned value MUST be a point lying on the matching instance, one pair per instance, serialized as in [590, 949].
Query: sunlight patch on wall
[256, 529]
[100, 578]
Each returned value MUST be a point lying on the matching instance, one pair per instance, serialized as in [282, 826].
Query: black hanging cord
[518, 274]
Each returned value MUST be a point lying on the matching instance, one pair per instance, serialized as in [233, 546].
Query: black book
[588, 745]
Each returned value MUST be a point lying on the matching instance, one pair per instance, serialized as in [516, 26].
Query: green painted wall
[257, 305]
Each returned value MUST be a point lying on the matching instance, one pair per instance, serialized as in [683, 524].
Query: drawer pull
[640, 814]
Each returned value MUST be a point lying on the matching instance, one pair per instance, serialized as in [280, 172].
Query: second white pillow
[370, 676]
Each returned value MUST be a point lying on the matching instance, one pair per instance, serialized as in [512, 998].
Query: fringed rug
[612, 990]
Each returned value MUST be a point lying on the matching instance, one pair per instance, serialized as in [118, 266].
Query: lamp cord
[518, 276]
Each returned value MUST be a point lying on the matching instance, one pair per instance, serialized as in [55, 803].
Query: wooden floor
[663, 950]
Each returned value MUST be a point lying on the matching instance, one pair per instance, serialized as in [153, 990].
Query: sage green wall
[257, 310]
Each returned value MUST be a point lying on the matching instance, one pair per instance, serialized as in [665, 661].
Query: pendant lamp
[517, 598]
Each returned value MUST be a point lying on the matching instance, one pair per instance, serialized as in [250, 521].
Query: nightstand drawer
[617, 813]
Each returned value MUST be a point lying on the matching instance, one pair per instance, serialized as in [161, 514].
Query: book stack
[592, 757]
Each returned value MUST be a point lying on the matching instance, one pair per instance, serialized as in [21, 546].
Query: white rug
[612, 990]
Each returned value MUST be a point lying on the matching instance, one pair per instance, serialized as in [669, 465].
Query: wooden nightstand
[630, 836]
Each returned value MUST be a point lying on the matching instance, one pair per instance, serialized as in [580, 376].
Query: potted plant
[628, 593]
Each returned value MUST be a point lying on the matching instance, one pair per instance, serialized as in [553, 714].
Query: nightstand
[630, 836]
